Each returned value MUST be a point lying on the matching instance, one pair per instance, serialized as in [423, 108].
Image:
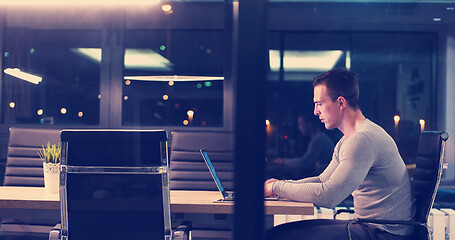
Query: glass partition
[51, 77]
[173, 78]
[174, 65]
[396, 78]
[395, 47]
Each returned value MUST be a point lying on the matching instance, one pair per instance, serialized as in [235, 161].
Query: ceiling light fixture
[304, 61]
[134, 58]
[16, 72]
[99, 3]
[167, 8]
[174, 78]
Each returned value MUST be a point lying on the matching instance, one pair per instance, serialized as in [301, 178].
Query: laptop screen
[212, 171]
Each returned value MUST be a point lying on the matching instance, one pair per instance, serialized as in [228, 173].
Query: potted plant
[50, 154]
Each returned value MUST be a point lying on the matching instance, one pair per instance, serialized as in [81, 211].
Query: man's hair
[340, 83]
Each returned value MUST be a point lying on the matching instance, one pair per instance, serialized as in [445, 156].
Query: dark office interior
[231, 66]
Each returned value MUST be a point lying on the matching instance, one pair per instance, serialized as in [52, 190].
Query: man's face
[302, 125]
[328, 111]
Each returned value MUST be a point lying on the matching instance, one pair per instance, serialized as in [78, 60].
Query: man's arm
[355, 159]
[324, 176]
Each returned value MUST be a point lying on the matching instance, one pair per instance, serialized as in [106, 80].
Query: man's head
[340, 83]
[308, 124]
[334, 91]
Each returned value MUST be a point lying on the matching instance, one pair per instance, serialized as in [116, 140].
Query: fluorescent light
[348, 60]
[100, 3]
[16, 72]
[146, 59]
[134, 58]
[173, 78]
[274, 60]
[93, 54]
[304, 61]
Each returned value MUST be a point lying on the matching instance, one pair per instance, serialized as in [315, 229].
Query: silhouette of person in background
[313, 161]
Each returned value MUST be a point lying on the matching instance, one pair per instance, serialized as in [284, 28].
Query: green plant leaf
[50, 153]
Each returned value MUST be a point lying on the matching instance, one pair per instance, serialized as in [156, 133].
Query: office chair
[188, 169]
[424, 184]
[189, 172]
[114, 185]
[24, 168]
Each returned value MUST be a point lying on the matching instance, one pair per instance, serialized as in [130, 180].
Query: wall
[450, 103]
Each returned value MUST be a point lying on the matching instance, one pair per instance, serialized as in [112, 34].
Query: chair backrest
[428, 171]
[114, 185]
[23, 165]
[187, 168]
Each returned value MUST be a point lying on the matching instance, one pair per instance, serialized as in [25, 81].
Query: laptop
[227, 196]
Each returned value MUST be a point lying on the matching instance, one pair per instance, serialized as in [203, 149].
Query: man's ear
[342, 102]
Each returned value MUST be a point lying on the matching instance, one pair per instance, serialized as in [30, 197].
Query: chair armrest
[55, 232]
[183, 231]
[342, 211]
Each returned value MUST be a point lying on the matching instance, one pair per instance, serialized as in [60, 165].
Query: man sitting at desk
[365, 163]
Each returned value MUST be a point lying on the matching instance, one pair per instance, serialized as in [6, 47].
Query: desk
[202, 202]
[16, 199]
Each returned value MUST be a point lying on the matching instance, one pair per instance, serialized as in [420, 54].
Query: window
[173, 78]
[67, 90]
[396, 78]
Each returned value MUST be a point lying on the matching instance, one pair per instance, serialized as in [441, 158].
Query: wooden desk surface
[205, 202]
[27, 198]
[181, 201]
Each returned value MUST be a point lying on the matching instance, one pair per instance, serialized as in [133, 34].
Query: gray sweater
[366, 165]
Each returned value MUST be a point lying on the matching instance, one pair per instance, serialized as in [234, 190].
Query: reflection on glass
[60, 77]
[313, 61]
[180, 71]
[190, 100]
[16, 72]
[396, 78]
[134, 58]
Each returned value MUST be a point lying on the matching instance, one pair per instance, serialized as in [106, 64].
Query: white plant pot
[51, 177]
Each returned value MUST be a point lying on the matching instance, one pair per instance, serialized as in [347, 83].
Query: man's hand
[268, 187]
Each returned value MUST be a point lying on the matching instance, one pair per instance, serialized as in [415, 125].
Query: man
[316, 157]
[365, 163]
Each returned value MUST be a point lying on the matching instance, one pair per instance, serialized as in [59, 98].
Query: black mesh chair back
[188, 169]
[114, 185]
[428, 171]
